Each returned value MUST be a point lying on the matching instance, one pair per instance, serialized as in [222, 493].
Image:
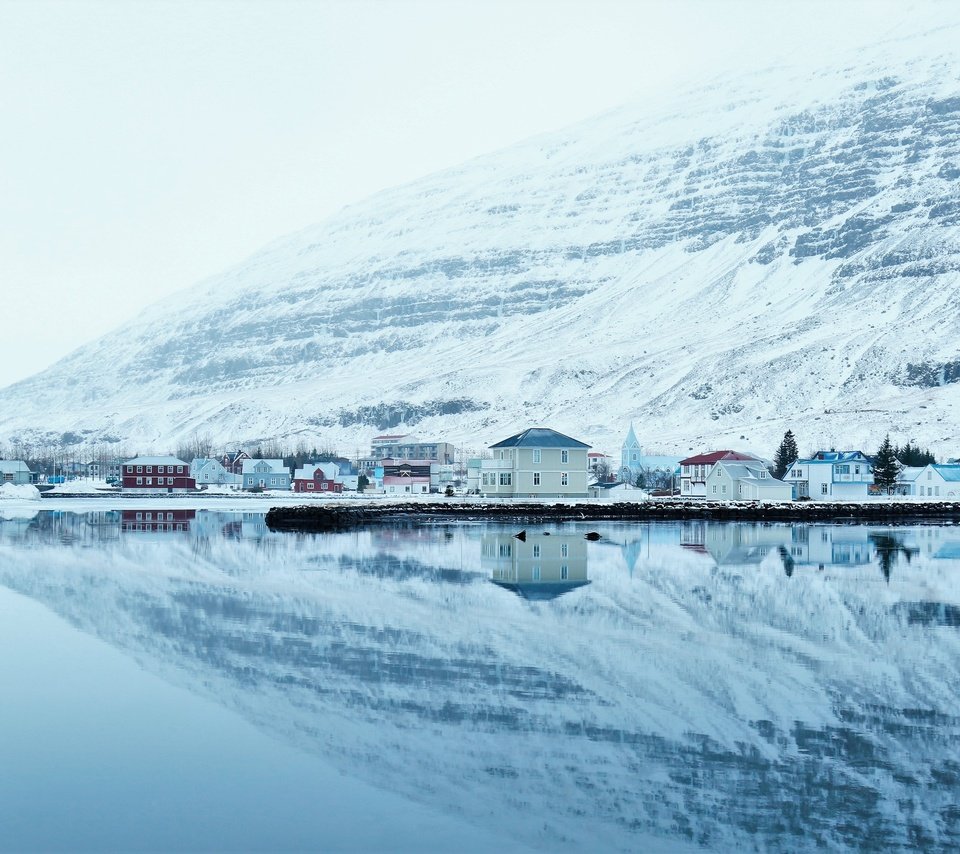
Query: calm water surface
[198, 682]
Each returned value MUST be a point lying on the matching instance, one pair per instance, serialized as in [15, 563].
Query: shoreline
[343, 517]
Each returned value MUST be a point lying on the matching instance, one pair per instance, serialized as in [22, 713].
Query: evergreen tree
[886, 469]
[786, 455]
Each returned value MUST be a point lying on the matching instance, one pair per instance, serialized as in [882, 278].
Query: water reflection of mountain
[539, 566]
[721, 708]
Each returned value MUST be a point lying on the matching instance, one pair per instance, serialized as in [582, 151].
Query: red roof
[715, 457]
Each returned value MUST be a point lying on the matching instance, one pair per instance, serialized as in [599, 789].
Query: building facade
[156, 475]
[695, 470]
[265, 474]
[406, 477]
[831, 475]
[745, 481]
[313, 479]
[408, 447]
[930, 481]
[537, 463]
[16, 472]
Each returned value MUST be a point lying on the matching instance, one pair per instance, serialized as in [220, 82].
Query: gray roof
[156, 461]
[540, 437]
[10, 466]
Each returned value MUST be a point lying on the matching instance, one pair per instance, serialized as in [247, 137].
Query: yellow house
[537, 463]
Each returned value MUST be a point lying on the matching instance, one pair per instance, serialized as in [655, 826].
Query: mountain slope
[780, 250]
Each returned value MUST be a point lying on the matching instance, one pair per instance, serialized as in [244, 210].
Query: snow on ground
[19, 492]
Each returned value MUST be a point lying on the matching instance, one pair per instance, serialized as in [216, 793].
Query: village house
[616, 490]
[233, 461]
[406, 477]
[695, 470]
[930, 481]
[265, 474]
[537, 463]
[745, 480]
[16, 472]
[156, 475]
[312, 478]
[210, 472]
[831, 475]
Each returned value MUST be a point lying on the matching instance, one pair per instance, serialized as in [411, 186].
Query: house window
[564, 479]
[763, 473]
[714, 489]
[536, 455]
[323, 484]
[536, 550]
[139, 469]
[129, 469]
[824, 489]
[179, 469]
[139, 517]
[310, 485]
[723, 489]
[564, 549]
[149, 469]
[169, 481]
[536, 573]
[633, 457]
[741, 489]
[149, 481]
[856, 469]
[506, 478]
[564, 456]
[169, 517]
[139, 481]
[564, 572]
[929, 475]
[150, 517]
[536, 478]
[506, 550]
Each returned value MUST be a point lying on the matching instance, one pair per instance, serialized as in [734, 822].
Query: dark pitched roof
[540, 437]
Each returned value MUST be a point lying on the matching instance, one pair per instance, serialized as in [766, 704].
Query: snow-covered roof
[167, 460]
[746, 471]
[276, 466]
[540, 437]
[910, 473]
[14, 466]
[949, 472]
[835, 457]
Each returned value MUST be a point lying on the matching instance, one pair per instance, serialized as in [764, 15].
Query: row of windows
[160, 469]
[506, 478]
[149, 481]
[537, 455]
[323, 484]
[564, 550]
[148, 515]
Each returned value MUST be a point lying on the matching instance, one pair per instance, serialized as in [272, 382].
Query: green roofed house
[537, 463]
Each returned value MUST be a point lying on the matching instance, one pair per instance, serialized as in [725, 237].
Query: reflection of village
[540, 566]
[106, 526]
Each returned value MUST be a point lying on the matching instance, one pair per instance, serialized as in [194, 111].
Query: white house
[617, 491]
[745, 480]
[829, 475]
[695, 470]
[210, 472]
[930, 481]
[265, 474]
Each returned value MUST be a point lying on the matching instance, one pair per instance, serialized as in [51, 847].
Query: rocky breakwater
[334, 517]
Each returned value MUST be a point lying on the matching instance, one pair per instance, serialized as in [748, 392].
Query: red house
[233, 463]
[156, 520]
[312, 479]
[156, 476]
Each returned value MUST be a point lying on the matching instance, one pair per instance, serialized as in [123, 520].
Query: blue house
[265, 474]
[829, 475]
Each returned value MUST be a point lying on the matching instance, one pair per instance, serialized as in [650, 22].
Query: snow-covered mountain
[780, 250]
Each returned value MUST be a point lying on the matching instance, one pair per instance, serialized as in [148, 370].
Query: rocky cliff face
[767, 252]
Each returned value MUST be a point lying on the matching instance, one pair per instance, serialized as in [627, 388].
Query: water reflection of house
[819, 545]
[162, 521]
[540, 567]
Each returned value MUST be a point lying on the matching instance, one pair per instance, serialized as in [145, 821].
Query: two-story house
[210, 472]
[312, 478]
[156, 475]
[537, 463]
[694, 470]
[265, 474]
[831, 475]
[406, 477]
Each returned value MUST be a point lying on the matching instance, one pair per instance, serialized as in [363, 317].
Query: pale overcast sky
[146, 145]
